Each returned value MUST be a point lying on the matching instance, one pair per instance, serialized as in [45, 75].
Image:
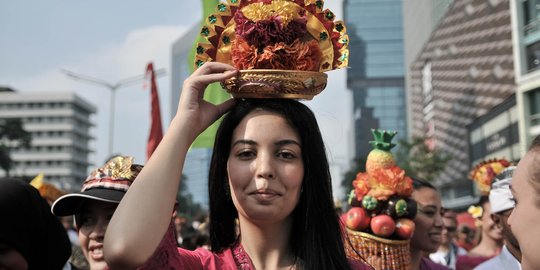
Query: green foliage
[12, 136]
[383, 139]
[418, 160]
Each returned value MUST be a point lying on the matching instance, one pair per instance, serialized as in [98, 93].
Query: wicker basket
[271, 83]
[382, 253]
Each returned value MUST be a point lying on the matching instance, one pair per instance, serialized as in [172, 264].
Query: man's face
[449, 230]
[501, 219]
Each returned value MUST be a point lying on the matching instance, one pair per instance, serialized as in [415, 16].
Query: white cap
[500, 197]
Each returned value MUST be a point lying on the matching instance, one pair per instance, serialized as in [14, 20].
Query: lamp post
[113, 87]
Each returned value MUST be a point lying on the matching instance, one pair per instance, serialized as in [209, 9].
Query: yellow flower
[475, 211]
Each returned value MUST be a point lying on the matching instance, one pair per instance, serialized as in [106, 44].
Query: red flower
[267, 32]
[243, 55]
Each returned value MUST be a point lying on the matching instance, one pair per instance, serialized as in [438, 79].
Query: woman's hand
[197, 113]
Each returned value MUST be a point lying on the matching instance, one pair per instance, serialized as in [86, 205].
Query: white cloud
[111, 63]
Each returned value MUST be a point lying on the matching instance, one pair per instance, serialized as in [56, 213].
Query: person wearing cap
[502, 204]
[525, 218]
[95, 204]
[30, 236]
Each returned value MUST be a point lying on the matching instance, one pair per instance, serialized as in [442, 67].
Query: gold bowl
[273, 83]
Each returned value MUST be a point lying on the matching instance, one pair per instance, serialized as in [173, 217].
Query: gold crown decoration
[484, 173]
[281, 47]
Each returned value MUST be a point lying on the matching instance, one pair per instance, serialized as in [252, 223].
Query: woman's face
[92, 224]
[265, 168]
[428, 221]
[489, 228]
[525, 217]
[11, 259]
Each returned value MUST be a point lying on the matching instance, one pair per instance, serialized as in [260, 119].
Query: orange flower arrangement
[296, 56]
[383, 183]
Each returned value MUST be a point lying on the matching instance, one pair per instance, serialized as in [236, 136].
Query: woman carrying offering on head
[268, 170]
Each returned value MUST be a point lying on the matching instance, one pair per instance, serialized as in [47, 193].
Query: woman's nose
[99, 229]
[265, 166]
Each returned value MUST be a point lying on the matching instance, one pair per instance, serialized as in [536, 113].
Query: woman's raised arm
[142, 218]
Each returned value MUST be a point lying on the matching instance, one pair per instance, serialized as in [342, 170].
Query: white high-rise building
[59, 124]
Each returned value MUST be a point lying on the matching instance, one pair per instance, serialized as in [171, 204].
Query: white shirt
[448, 258]
[504, 261]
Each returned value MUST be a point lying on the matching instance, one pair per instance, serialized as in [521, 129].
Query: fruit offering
[380, 199]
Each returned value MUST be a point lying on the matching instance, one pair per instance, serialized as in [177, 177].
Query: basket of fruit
[380, 220]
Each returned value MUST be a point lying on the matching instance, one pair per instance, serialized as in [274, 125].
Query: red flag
[156, 131]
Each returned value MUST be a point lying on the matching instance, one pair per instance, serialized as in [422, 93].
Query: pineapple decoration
[380, 156]
[380, 199]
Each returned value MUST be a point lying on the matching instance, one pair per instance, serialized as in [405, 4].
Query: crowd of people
[271, 203]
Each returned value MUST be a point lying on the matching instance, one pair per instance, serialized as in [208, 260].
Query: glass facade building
[376, 68]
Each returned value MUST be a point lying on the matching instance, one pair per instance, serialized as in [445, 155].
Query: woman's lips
[435, 236]
[265, 195]
[96, 252]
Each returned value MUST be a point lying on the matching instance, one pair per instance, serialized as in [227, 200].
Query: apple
[357, 219]
[383, 225]
[405, 228]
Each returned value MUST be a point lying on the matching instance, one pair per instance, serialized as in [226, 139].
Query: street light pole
[113, 88]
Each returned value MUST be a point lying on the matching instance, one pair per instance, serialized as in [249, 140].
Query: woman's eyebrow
[287, 141]
[242, 141]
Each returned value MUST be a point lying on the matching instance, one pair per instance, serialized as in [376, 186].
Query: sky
[114, 40]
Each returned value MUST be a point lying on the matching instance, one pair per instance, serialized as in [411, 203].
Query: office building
[464, 70]
[526, 41]
[376, 69]
[59, 124]
[420, 17]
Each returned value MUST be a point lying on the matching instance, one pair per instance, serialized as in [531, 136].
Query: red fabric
[156, 131]
[169, 256]
[466, 262]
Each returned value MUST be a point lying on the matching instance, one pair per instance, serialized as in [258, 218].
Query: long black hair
[316, 236]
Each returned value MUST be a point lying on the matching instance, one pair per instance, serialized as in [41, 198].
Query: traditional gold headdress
[281, 47]
[484, 173]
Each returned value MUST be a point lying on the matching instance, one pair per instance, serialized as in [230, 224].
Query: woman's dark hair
[482, 200]
[316, 236]
[421, 183]
[29, 227]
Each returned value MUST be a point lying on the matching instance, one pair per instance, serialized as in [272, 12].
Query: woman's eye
[86, 220]
[514, 200]
[286, 155]
[246, 154]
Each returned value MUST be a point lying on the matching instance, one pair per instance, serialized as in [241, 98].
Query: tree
[417, 159]
[186, 205]
[12, 136]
